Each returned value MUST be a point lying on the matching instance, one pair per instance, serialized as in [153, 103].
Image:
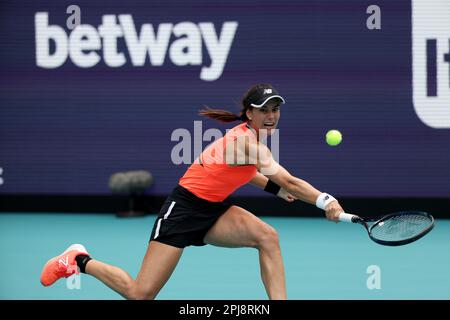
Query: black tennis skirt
[184, 219]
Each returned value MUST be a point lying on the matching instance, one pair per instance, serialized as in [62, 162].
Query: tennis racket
[394, 229]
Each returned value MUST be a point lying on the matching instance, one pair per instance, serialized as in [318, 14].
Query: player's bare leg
[239, 228]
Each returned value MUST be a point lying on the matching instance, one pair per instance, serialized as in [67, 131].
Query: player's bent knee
[267, 238]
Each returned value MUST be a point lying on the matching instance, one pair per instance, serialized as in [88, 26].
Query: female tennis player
[195, 212]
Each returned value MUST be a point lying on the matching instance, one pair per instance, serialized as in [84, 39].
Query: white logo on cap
[267, 91]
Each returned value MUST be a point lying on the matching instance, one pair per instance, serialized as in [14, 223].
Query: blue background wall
[66, 130]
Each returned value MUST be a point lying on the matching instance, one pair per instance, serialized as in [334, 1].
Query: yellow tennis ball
[333, 137]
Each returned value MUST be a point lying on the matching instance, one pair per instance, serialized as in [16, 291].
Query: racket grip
[346, 217]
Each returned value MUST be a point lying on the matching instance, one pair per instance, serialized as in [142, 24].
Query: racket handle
[347, 217]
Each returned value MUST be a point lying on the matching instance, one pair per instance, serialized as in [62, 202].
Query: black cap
[261, 94]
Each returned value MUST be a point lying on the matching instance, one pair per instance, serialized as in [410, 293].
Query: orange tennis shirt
[211, 178]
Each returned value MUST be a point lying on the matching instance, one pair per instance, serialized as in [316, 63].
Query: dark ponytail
[220, 115]
[227, 116]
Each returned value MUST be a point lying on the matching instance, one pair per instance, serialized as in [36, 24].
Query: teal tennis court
[323, 260]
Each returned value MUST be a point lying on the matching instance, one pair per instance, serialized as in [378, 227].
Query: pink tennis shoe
[62, 266]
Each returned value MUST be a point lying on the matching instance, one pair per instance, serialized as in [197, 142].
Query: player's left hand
[283, 194]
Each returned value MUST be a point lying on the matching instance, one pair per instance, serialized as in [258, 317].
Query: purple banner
[101, 87]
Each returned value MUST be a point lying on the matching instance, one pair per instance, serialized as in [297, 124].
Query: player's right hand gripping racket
[394, 229]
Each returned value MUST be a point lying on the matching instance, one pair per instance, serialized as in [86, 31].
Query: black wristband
[272, 187]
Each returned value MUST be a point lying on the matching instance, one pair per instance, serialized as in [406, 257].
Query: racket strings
[400, 227]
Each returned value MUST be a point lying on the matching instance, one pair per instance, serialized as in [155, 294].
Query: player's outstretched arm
[298, 188]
